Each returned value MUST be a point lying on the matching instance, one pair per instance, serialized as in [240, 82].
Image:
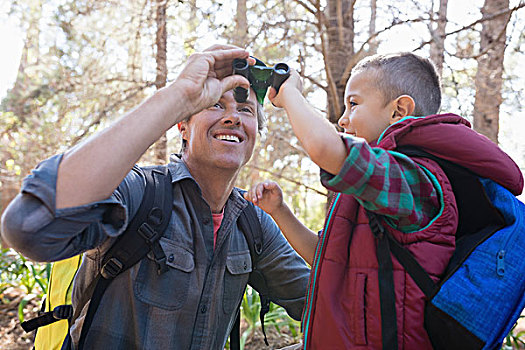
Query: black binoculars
[260, 78]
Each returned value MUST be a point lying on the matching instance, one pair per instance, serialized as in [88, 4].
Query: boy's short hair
[405, 73]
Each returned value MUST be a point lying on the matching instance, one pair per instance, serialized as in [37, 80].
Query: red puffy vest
[342, 309]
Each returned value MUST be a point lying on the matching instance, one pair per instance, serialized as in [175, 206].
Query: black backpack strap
[251, 228]
[387, 295]
[61, 312]
[235, 333]
[142, 235]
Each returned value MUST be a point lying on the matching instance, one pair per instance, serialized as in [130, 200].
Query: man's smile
[230, 136]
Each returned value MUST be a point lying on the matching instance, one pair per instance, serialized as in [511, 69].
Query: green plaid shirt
[388, 183]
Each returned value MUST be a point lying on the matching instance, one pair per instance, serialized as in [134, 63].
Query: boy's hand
[267, 195]
[291, 85]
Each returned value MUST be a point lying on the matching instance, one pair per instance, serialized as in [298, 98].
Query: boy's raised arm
[319, 138]
[269, 197]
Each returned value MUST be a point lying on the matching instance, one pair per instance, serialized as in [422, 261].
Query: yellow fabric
[63, 272]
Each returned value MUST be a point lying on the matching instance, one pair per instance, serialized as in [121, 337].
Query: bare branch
[102, 114]
[287, 179]
[306, 7]
[481, 20]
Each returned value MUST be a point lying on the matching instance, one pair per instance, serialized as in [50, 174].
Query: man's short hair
[405, 73]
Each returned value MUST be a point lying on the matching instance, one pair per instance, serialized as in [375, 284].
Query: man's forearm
[92, 170]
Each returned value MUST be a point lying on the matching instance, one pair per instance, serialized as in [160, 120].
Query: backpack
[482, 292]
[141, 236]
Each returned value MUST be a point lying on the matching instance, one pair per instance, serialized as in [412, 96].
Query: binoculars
[260, 78]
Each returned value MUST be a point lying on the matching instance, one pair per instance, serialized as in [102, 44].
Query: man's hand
[207, 76]
[267, 195]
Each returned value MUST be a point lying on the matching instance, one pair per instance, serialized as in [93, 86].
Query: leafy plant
[515, 338]
[276, 317]
[17, 271]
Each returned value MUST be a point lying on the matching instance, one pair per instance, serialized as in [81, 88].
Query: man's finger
[232, 81]
[222, 57]
[222, 47]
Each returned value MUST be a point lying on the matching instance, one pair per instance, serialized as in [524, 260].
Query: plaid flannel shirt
[388, 183]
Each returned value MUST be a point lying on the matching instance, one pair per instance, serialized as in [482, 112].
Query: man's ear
[182, 129]
[404, 106]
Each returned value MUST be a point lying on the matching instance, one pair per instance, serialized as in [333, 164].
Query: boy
[391, 101]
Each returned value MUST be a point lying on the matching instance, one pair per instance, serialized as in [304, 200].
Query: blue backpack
[482, 293]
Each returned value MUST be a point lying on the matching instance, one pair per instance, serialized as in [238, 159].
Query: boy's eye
[353, 104]
[217, 105]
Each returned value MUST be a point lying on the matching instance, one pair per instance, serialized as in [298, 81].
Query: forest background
[70, 68]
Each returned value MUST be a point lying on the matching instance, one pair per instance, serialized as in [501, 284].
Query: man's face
[366, 114]
[223, 135]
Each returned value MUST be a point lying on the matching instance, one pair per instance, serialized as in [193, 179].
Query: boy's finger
[260, 190]
[269, 185]
[272, 93]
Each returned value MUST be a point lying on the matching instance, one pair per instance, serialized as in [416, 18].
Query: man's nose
[231, 117]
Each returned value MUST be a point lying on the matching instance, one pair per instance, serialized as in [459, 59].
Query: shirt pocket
[238, 268]
[168, 290]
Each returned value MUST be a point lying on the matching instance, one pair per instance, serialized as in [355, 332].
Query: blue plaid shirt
[194, 304]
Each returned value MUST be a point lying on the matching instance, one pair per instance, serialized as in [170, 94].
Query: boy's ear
[404, 106]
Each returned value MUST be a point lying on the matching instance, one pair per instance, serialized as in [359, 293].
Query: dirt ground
[13, 337]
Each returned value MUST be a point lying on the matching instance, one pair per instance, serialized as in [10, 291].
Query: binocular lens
[239, 64]
[282, 68]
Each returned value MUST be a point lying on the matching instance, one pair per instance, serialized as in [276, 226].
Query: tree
[437, 46]
[241, 29]
[490, 68]
[161, 146]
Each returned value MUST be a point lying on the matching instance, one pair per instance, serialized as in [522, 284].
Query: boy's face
[366, 114]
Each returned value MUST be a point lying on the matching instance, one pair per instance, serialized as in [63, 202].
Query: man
[192, 305]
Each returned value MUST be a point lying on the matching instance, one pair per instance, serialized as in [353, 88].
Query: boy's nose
[343, 121]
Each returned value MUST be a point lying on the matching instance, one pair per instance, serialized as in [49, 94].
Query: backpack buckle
[111, 269]
[63, 312]
[147, 233]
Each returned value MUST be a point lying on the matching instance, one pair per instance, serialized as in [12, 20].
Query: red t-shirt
[217, 220]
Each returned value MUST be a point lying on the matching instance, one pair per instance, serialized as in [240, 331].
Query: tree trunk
[437, 46]
[241, 22]
[339, 26]
[30, 55]
[490, 70]
[340, 49]
[134, 45]
[160, 147]
[372, 27]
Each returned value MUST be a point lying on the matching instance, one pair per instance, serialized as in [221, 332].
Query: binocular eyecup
[260, 78]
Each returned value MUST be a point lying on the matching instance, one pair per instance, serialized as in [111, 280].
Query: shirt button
[206, 221]
[171, 258]
[245, 266]
[203, 309]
